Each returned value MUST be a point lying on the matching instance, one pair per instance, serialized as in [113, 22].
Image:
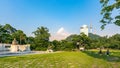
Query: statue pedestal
[14, 48]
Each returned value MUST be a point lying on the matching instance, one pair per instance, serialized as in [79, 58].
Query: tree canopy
[107, 10]
[41, 38]
[20, 36]
[9, 28]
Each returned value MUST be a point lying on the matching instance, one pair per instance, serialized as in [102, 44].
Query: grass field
[87, 59]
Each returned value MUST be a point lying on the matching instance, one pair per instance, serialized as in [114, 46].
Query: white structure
[14, 47]
[82, 48]
[19, 48]
[49, 51]
[84, 29]
[4, 47]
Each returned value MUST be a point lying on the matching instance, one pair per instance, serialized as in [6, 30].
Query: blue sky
[27, 15]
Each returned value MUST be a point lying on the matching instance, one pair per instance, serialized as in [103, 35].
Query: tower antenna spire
[91, 27]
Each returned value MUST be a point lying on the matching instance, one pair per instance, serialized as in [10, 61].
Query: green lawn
[88, 59]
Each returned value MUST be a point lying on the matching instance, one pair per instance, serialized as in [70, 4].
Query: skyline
[61, 17]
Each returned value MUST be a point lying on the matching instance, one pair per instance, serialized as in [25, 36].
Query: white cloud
[60, 30]
[60, 34]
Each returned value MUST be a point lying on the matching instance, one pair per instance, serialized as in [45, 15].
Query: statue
[14, 42]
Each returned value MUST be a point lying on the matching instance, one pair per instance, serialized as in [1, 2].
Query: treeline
[41, 41]
[8, 33]
[112, 42]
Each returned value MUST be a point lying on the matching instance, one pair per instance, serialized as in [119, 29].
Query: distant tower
[91, 28]
[94, 31]
[84, 29]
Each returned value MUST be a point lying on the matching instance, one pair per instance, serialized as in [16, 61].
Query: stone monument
[14, 46]
[14, 42]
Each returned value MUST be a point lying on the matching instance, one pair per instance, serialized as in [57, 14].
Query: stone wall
[14, 48]
[5, 47]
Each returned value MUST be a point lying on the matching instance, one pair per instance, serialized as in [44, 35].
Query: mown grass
[86, 59]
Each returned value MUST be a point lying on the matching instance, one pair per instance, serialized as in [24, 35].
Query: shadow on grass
[3, 57]
[113, 57]
[19, 57]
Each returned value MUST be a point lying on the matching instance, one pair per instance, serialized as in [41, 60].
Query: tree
[67, 45]
[76, 40]
[6, 32]
[20, 36]
[57, 45]
[3, 34]
[9, 28]
[30, 40]
[41, 38]
[79, 40]
[106, 11]
[85, 40]
[114, 41]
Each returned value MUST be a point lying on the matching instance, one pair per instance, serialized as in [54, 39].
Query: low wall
[5, 47]
[14, 48]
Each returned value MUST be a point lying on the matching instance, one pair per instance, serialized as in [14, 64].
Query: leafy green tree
[41, 38]
[7, 38]
[85, 40]
[9, 28]
[106, 11]
[79, 40]
[6, 32]
[57, 45]
[98, 41]
[76, 41]
[3, 34]
[67, 46]
[20, 36]
[71, 37]
[114, 41]
[30, 40]
[95, 41]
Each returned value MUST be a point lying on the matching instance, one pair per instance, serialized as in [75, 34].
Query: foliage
[9, 28]
[79, 41]
[30, 40]
[72, 42]
[107, 9]
[67, 46]
[57, 45]
[20, 36]
[112, 42]
[2, 33]
[6, 32]
[41, 40]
